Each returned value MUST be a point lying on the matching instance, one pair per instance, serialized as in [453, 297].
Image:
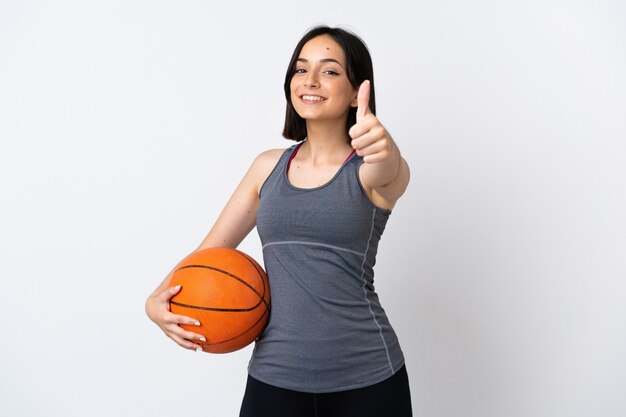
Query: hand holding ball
[228, 292]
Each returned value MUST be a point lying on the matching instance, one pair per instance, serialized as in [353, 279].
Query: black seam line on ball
[261, 299]
[261, 273]
[268, 306]
[231, 310]
[242, 333]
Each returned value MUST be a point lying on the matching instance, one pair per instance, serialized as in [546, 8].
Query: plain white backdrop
[125, 126]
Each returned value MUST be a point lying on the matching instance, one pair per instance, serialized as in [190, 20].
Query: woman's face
[320, 89]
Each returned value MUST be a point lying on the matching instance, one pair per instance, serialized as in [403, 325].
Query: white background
[125, 126]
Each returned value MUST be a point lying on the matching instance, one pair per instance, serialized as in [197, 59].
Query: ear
[355, 102]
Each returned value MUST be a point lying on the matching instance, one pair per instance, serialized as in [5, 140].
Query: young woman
[320, 208]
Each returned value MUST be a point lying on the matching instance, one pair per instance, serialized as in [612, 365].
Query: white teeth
[312, 98]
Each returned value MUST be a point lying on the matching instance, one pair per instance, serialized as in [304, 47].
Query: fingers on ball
[169, 292]
[193, 336]
[179, 319]
[185, 343]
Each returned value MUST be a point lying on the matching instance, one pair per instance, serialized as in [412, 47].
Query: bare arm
[385, 184]
[237, 219]
[384, 173]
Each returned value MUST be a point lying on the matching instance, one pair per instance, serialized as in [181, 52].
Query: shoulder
[268, 159]
[264, 164]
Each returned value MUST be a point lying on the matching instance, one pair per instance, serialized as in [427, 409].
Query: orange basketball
[228, 292]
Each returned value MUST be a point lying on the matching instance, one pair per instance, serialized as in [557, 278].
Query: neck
[326, 140]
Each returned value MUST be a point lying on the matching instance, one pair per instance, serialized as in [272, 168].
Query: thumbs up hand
[369, 138]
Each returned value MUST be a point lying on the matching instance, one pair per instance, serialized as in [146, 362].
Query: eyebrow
[322, 60]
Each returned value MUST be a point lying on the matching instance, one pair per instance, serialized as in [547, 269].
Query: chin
[318, 116]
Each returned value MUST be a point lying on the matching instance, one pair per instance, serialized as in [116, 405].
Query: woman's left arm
[384, 172]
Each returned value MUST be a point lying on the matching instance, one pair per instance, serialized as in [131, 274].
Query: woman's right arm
[233, 224]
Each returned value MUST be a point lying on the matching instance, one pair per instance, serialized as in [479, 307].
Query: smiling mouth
[311, 99]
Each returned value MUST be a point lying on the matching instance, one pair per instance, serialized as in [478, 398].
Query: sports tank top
[327, 330]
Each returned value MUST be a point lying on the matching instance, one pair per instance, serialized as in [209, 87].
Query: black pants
[389, 398]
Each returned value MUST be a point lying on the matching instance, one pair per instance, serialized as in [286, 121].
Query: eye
[331, 72]
[299, 71]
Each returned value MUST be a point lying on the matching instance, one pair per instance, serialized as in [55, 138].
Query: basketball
[228, 292]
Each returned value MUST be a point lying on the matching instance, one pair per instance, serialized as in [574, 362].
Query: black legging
[389, 398]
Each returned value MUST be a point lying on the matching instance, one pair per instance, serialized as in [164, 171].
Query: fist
[370, 139]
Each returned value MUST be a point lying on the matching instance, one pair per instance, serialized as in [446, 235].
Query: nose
[311, 80]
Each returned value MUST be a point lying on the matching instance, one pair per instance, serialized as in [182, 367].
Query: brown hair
[358, 66]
